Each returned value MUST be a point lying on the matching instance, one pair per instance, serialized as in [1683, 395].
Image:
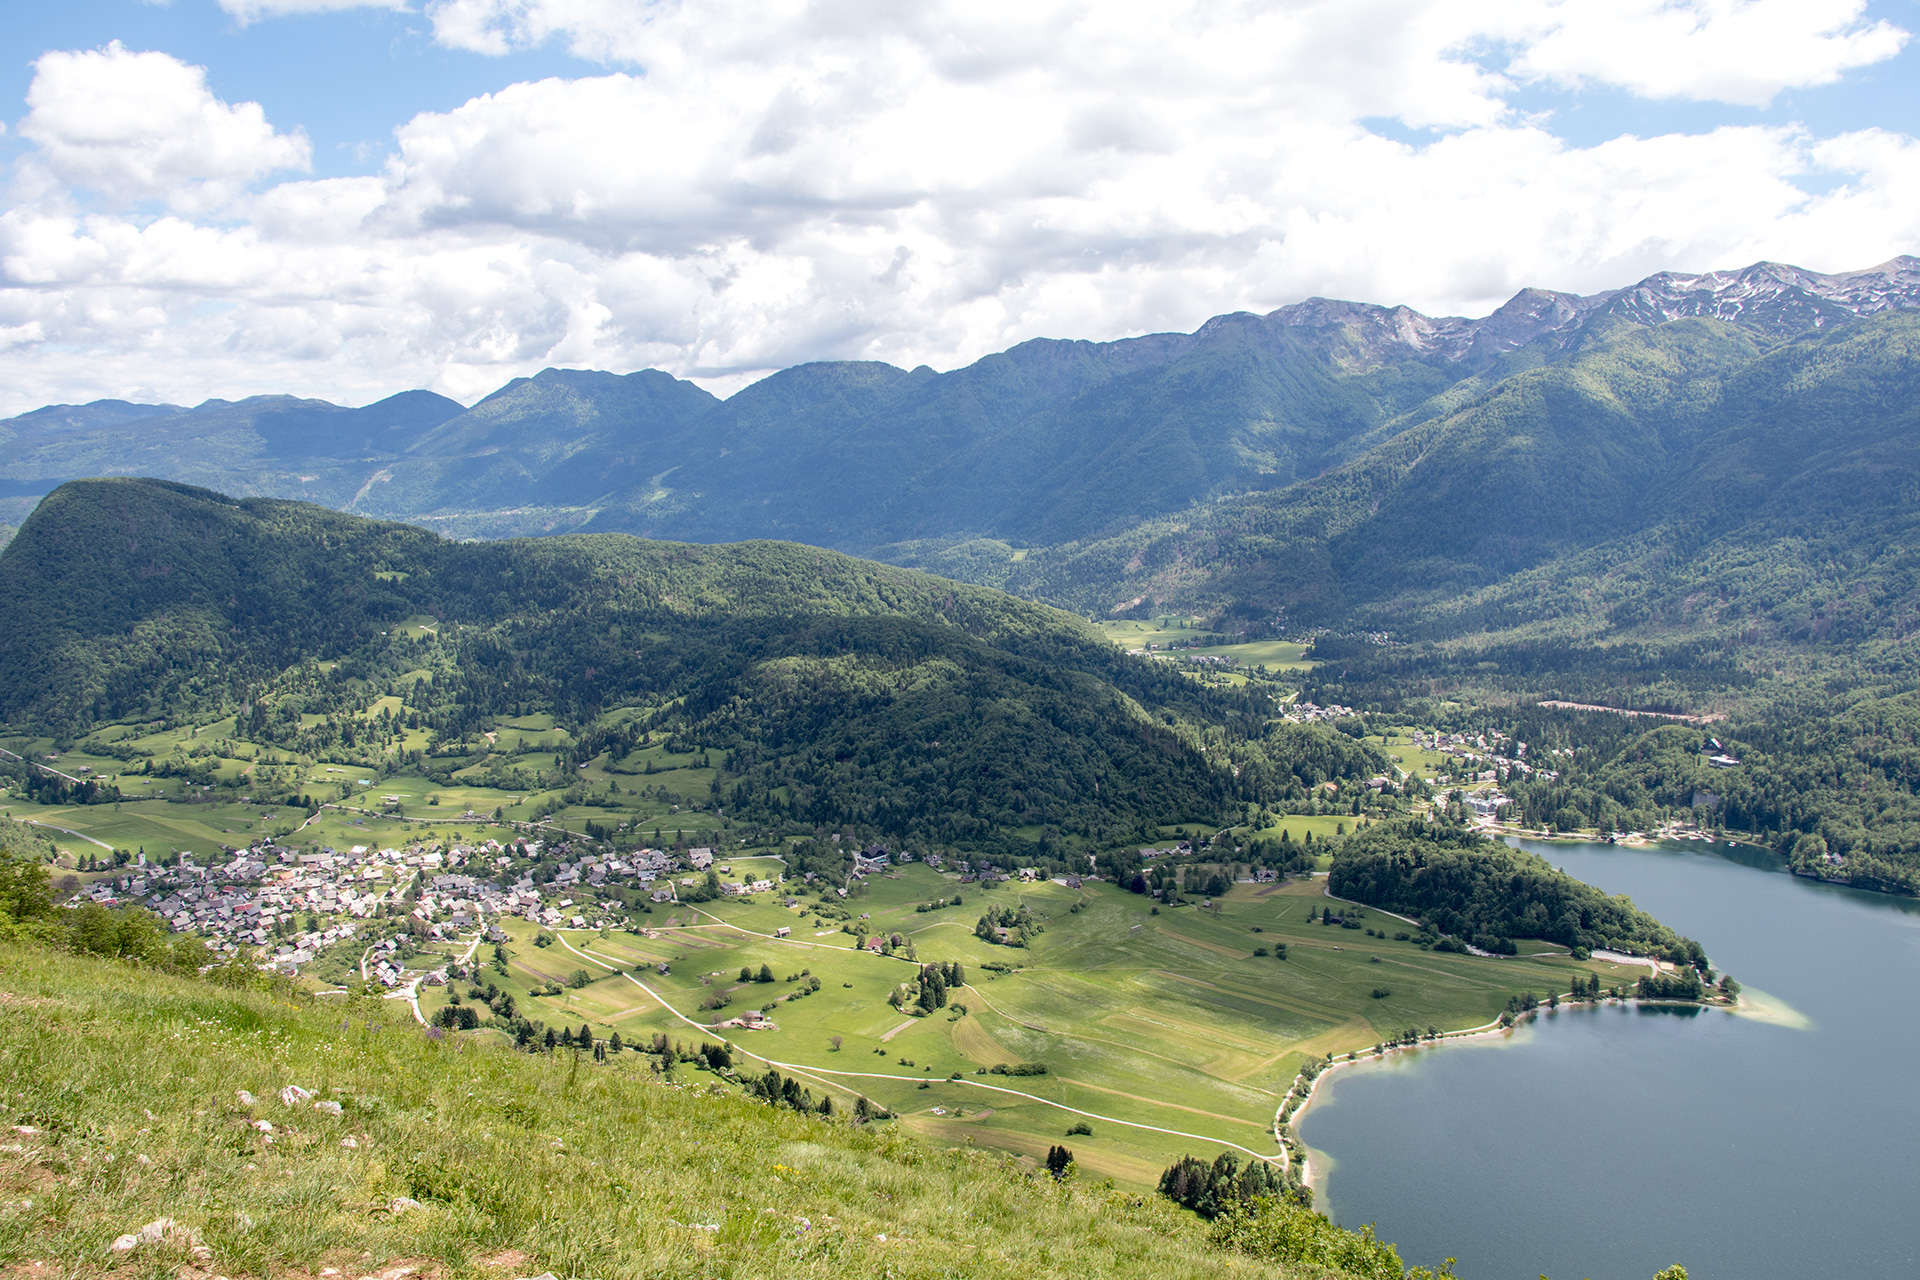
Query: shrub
[1275, 1230]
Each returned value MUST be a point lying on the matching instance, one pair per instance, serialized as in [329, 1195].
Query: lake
[1610, 1142]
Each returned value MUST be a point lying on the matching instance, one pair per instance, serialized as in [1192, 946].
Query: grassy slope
[521, 1164]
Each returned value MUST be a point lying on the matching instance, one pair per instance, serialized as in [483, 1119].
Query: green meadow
[1165, 1032]
[651, 790]
[1277, 655]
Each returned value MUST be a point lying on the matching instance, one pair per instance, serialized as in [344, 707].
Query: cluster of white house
[271, 898]
[1307, 712]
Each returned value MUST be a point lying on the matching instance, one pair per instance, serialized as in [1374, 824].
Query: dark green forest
[826, 691]
[1466, 886]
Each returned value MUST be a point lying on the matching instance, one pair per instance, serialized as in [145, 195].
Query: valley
[1143, 1022]
[1013, 843]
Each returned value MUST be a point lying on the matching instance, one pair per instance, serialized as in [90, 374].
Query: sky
[221, 198]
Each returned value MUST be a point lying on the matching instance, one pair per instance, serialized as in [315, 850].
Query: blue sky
[725, 189]
[346, 77]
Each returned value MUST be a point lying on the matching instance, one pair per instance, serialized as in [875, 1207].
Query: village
[292, 905]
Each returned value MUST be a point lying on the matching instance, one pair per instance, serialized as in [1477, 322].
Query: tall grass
[131, 1084]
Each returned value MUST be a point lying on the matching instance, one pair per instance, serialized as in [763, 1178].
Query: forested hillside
[1331, 462]
[1696, 495]
[825, 690]
[1678, 481]
[1467, 886]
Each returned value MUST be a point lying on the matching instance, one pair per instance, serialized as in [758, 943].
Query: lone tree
[1059, 1161]
[835, 1042]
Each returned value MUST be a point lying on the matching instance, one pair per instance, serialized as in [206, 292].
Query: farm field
[1278, 655]
[652, 791]
[1145, 1022]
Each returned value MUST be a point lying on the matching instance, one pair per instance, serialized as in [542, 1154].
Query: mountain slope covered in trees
[827, 690]
[1678, 480]
[1325, 459]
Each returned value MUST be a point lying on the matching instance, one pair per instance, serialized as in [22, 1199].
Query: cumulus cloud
[249, 11]
[1740, 51]
[144, 126]
[790, 180]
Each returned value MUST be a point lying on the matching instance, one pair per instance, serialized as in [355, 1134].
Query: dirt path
[897, 1030]
[1382, 910]
[77, 835]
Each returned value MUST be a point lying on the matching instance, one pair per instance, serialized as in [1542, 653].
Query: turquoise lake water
[1610, 1142]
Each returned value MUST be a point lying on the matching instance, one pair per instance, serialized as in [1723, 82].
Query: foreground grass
[125, 1087]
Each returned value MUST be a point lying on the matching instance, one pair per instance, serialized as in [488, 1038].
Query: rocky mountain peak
[1772, 298]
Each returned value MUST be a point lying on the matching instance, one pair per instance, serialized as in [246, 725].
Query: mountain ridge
[1052, 445]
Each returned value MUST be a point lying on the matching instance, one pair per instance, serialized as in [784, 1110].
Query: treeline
[1833, 793]
[1213, 1189]
[1674, 677]
[1466, 885]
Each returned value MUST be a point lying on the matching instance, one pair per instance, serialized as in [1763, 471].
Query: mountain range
[1567, 460]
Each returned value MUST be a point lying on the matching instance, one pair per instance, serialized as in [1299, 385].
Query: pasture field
[1401, 749]
[1278, 655]
[1145, 1022]
[650, 791]
[155, 825]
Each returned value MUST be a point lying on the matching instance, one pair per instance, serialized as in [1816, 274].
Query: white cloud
[250, 11]
[144, 126]
[808, 179]
[1738, 51]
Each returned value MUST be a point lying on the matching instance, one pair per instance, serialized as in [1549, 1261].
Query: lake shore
[1492, 1030]
[1308, 1175]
